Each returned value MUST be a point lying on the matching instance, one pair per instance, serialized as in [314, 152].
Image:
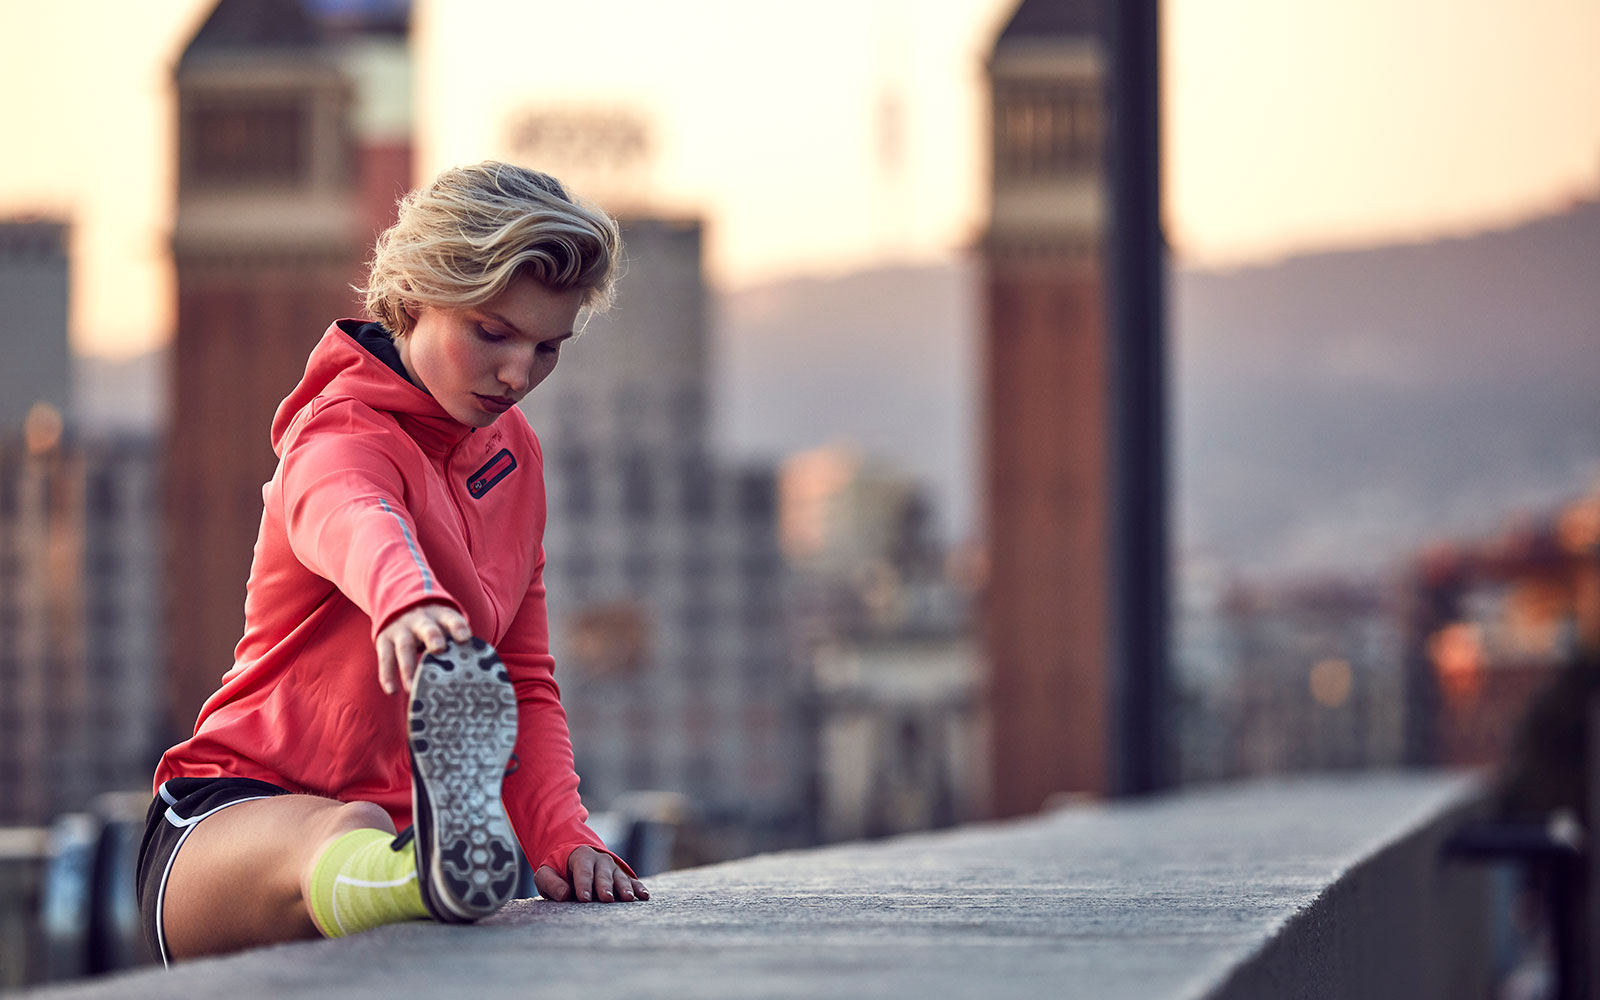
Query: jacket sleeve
[345, 511]
[541, 795]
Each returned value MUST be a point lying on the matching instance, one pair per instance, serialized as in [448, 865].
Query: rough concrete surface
[1170, 897]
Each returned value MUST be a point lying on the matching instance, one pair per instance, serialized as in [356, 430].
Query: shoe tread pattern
[463, 728]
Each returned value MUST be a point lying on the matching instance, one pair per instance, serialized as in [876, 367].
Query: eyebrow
[519, 331]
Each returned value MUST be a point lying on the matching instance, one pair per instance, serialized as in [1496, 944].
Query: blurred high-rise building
[33, 340]
[294, 141]
[80, 615]
[881, 622]
[1046, 616]
[663, 568]
[79, 538]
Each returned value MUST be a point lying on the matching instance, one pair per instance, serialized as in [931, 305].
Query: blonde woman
[394, 672]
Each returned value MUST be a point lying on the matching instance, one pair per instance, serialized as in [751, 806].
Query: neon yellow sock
[360, 882]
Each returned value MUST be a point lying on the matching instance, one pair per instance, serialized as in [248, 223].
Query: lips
[495, 404]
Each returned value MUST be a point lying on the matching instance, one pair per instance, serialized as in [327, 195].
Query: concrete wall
[1318, 887]
[1400, 922]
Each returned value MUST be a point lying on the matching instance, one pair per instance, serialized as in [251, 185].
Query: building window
[697, 567]
[1075, 139]
[640, 770]
[758, 497]
[758, 567]
[105, 617]
[1047, 131]
[688, 413]
[638, 494]
[579, 565]
[103, 504]
[700, 662]
[576, 481]
[698, 617]
[9, 472]
[104, 561]
[699, 488]
[757, 612]
[640, 568]
[248, 142]
[701, 772]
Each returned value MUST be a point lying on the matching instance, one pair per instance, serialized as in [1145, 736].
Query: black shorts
[179, 804]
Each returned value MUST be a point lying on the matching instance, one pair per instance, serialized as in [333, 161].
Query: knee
[332, 823]
[359, 816]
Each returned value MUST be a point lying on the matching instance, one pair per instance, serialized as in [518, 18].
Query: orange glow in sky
[1290, 125]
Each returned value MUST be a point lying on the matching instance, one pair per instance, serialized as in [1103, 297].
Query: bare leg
[240, 879]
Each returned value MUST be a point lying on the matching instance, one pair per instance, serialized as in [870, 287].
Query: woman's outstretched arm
[541, 795]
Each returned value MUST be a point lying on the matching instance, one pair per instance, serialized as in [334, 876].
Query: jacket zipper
[450, 491]
[466, 532]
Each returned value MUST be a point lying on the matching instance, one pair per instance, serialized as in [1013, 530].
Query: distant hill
[1330, 411]
[1338, 409]
[885, 358]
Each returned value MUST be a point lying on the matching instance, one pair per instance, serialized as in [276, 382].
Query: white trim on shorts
[187, 825]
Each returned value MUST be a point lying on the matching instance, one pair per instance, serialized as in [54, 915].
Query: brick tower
[1046, 426]
[293, 143]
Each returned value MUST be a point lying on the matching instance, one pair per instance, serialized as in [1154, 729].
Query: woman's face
[477, 362]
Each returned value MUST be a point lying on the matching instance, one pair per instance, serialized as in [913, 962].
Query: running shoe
[463, 727]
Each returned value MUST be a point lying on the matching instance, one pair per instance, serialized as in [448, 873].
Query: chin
[473, 417]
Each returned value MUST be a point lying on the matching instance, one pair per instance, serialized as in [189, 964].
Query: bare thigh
[239, 879]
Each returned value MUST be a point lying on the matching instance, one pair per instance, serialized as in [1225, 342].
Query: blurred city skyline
[1289, 129]
[829, 510]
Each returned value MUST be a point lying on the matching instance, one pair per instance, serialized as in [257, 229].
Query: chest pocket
[497, 468]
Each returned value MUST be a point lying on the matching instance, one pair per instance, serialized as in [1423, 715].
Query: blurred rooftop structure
[1049, 21]
[276, 27]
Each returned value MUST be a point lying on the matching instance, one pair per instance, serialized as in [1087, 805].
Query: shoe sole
[463, 728]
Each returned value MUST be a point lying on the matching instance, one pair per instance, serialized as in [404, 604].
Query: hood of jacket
[339, 367]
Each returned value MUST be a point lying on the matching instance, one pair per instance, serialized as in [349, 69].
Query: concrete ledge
[1325, 887]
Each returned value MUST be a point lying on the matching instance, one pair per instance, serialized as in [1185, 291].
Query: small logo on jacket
[494, 470]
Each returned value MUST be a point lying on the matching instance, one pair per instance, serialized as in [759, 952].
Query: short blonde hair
[462, 239]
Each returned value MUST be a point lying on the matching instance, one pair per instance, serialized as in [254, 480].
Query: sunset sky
[1290, 126]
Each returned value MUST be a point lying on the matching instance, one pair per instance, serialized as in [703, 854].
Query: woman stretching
[405, 518]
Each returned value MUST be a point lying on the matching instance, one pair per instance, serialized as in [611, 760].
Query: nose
[516, 372]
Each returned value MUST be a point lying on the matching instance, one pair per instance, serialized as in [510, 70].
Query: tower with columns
[1046, 430]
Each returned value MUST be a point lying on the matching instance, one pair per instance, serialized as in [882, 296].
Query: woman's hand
[426, 628]
[594, 876]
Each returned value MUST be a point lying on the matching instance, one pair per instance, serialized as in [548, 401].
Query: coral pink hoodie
[381, 501]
